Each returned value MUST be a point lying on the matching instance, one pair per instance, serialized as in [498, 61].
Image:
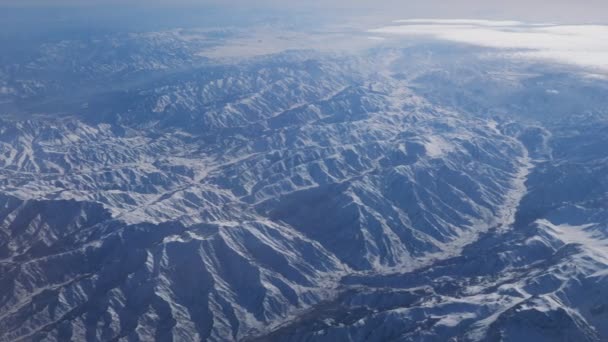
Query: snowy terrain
[154, 188]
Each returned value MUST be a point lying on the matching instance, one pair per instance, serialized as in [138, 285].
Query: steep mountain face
[299, 196]
[104, 279]
[543, 279]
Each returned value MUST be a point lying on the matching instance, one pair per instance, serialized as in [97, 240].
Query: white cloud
[461, 22]
[583, 45]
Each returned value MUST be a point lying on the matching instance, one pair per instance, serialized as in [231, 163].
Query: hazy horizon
[588, 11]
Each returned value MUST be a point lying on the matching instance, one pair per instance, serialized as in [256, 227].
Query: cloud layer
[583, 45]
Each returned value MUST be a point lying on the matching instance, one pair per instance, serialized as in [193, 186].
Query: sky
[567, 11]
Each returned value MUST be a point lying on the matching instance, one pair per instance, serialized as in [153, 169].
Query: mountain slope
[300, 196]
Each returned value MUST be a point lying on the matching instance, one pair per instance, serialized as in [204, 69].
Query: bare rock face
[300, 196]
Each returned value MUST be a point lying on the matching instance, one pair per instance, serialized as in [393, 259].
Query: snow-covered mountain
[425, 193]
